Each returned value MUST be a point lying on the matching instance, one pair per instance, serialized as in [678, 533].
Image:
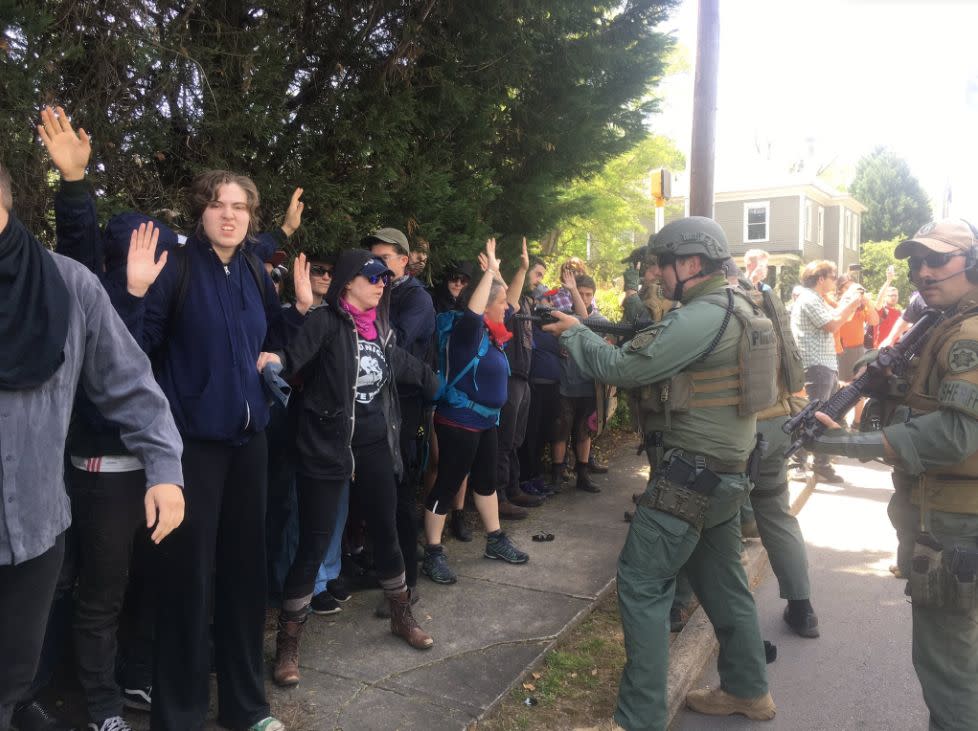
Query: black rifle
[804, 428]
[544, 315]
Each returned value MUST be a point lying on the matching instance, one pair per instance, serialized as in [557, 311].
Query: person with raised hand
[466, 419]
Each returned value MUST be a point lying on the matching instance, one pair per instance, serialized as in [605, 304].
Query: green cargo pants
[779, 529]
[945, 641]
[658, 545]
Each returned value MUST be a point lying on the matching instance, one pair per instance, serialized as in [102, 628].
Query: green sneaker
[267, 724]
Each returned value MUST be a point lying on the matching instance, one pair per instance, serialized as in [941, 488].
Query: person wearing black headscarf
[58, 329]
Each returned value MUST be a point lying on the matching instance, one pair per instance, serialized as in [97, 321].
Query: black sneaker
[139, 699]
[324, 603]
[337, 589]
[827, 474]
[500, 547]
[802, 620]
[435, 566]
[116, 723]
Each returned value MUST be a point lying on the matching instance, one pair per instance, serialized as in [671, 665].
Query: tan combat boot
[404, 625]
[286, 671]
[718, 702]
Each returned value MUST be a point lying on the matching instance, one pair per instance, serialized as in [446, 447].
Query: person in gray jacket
[59, 330]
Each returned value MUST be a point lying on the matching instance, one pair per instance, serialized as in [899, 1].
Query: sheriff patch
[644, 338]
[963, 356]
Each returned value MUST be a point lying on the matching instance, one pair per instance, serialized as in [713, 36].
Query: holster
[942, 579]
[755, 458]
[682, 489]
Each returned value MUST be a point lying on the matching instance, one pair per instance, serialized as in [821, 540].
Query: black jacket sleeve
[411, 371]
[316, 332]
[76, 225]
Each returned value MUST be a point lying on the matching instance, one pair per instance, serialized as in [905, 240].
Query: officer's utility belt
[943, 579]
[655, 449]
[682, 487]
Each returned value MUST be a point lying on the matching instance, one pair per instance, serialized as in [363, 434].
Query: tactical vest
[750, 384]
[953, 488]
[790, 372]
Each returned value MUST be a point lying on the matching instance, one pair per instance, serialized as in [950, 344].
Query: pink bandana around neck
[366, 322]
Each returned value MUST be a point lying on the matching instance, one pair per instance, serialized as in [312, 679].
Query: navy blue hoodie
[205, 361]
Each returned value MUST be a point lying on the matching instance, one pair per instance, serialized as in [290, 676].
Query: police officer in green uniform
[933, 447]
[688, 367]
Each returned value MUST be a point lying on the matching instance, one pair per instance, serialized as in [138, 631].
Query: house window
[821, 226]
[811, 220]
[756, 217]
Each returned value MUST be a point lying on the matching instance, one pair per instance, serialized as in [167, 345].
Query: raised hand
[69, 150]
[491, 259]
[569, 280]
[303, 287]
[142, 268]
[524, 258]
[293, 215]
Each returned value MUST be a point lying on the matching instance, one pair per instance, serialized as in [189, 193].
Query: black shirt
[370, 426]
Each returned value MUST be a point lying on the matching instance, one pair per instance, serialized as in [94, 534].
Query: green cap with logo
[690, 236]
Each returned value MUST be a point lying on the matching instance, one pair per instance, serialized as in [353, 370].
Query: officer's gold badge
[963, 356]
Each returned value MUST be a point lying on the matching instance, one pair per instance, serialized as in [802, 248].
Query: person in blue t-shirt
[467, 437]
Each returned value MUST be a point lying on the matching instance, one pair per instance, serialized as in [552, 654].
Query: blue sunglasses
[374, 278]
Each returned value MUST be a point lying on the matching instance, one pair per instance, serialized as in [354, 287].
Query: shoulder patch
[963, 356]
[644, 338]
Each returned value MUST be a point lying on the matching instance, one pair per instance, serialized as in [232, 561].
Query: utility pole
[701, 168]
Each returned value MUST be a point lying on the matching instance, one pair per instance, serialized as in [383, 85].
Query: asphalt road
[858, 674]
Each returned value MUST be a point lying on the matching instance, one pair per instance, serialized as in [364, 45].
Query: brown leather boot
[404, 625]
[286, 672]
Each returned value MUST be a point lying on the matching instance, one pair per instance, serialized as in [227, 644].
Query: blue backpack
[447, 393]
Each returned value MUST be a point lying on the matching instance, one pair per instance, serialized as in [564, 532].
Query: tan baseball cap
[391, 236]
[945, 237]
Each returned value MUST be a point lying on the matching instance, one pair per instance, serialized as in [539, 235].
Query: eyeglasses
[933, 260]
[374, 278]
[459, 279]
[318, 270]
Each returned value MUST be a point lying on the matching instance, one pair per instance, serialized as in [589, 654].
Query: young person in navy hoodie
[205, 323]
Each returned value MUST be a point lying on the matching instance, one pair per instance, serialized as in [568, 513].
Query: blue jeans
[330, 567]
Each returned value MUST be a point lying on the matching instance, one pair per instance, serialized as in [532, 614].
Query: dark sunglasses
[933, 260]
[318, 270]
[459, 278]
[374, 278]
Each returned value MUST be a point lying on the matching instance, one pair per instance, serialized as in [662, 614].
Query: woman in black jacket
[348, 429]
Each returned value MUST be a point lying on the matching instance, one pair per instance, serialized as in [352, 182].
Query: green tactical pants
[780, 533]
[779, 529]
[945, 641]
[658, 545]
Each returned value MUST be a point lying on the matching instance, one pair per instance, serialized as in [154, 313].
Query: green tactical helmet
[689, 236]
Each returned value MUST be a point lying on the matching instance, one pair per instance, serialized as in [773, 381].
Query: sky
[826, 81]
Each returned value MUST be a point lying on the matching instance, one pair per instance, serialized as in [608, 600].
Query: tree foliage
[897, 205]
[875, 257]
[451, 120]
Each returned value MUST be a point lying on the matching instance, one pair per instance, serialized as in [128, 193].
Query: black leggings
[541, 420]
[460, 453]
[373, 491]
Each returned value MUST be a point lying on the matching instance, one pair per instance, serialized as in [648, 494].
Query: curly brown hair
[203, 191]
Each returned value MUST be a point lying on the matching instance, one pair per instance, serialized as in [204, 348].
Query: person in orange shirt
[852, 335]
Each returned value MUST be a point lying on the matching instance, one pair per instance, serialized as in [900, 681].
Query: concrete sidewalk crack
[582, 597]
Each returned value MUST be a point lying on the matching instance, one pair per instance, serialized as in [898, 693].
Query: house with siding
[795, 223]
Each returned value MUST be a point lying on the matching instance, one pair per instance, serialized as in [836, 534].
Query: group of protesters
[226, 447]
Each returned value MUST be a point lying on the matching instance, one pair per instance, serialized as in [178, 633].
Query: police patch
[963, 356]
[644, 338]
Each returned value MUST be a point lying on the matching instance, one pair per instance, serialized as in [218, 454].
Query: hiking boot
[338, 590]
[116, 723]
[457, 526]
[404, 625]
[435, 566]
[508, 511]
[325, 603]
[139, 698]
[637, 497]
[498, 546]
[286, 670]
[749, 529]
[598, 468]
[584, 478]
[267, 724]
[718, 702]
[826, 474]
[524, 500]
[678, 617]
[556, 478]
[802, 619]
[383, 610]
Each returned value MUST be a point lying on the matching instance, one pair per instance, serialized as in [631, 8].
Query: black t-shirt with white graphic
[373, 374]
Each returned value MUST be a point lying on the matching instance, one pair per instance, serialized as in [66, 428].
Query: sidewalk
[492, 625]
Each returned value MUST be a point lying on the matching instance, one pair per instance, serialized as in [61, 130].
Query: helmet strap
[681, 283]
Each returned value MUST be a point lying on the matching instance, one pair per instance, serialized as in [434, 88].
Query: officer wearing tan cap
[934, 454]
